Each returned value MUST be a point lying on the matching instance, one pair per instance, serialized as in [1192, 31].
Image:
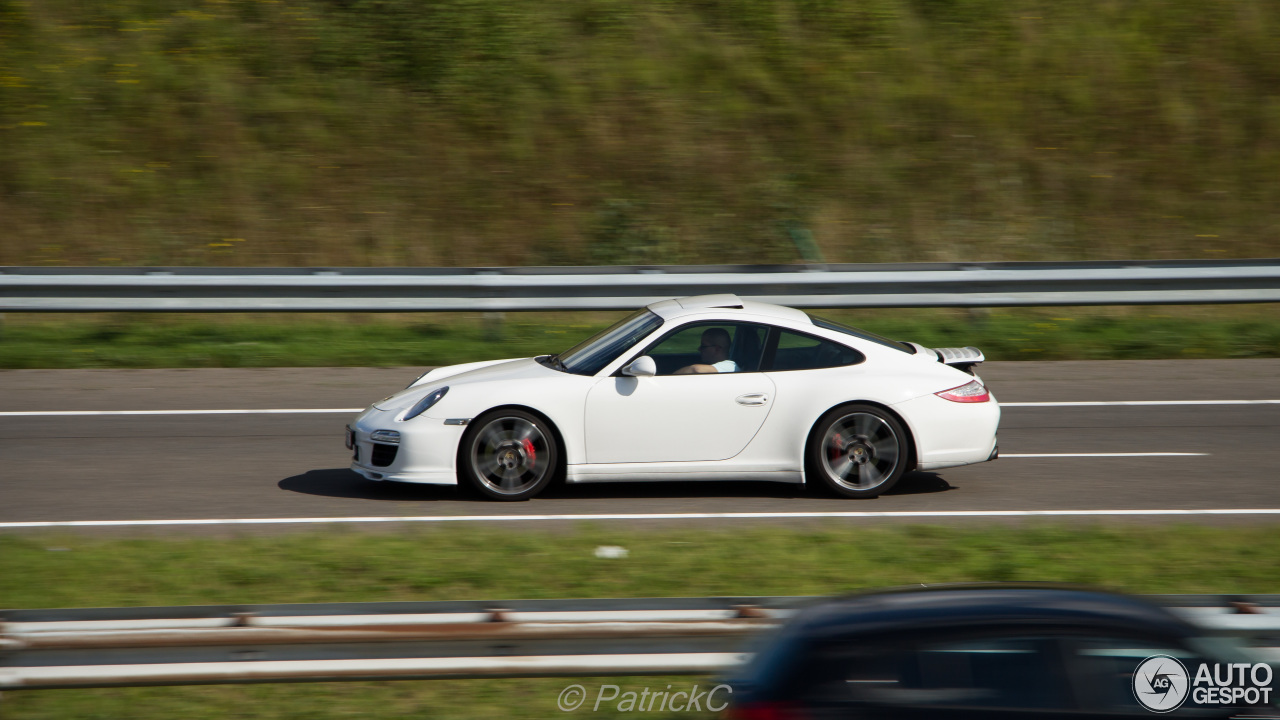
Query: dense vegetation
[484, 132]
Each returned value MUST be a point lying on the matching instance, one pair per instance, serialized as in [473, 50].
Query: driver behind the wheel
[715, 355]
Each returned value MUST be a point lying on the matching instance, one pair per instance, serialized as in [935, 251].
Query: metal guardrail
[38, 289]
[531, 638]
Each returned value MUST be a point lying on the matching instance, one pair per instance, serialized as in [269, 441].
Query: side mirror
[643, 366]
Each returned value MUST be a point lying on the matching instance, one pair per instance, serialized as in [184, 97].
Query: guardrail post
[492, 326]
[979, 315]
[804, 242]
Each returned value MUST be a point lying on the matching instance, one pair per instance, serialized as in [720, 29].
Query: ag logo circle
[1161, 684]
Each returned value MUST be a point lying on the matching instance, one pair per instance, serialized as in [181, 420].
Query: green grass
[141, 341]
[493, 132]
[534, 699]
[481, 563]
[469, 562]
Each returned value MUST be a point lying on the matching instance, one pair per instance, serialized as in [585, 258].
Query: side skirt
[649, 473]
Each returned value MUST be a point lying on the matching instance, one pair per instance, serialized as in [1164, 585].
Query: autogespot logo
[1161, 683]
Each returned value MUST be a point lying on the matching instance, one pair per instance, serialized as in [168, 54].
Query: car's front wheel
[508, 455]
[859, 451]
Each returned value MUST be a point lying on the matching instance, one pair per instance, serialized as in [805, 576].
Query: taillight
[970, 392]
[764, 711]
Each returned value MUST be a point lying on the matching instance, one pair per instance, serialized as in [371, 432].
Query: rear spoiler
[963, 358]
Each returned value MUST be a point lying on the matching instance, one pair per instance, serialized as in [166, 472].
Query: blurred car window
[1004, 673]
[1104, 669]
[989, 673]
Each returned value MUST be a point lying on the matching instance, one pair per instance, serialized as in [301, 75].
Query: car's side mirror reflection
[643, 366]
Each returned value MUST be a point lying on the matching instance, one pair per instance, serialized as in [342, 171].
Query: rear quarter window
[797, 351]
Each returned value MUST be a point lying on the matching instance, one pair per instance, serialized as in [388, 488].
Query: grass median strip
[494, 563]
[463, 562]
[185, 341]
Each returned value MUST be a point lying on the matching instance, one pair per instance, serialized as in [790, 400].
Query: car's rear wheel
[509, 455]
[859, 451]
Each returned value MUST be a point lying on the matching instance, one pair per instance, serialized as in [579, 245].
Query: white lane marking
[1137, 403]
[301, 411]
[643, 516]
[1089, 455]
[288, 411]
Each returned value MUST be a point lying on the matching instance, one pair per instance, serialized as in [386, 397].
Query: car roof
[729, 303]
[958, 606]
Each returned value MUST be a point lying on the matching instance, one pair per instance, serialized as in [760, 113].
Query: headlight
[431, 399]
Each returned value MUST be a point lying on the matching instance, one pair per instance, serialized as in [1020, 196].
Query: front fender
[561, 398]
[450, 370]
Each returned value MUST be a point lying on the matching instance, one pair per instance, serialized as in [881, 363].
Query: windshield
[832, 325]
[591, 355]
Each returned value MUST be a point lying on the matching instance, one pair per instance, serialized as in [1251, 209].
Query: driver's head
[715, 346]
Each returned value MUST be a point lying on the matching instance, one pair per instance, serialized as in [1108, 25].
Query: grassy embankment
[488, 132]
[139, 341]
[482, 563]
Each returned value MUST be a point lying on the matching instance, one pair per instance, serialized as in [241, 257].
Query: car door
[672, 417]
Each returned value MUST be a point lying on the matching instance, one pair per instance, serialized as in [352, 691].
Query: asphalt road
[245, 466]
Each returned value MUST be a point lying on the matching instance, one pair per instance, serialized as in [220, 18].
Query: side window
[1104, 670]
[796, 351]
[1012, 673]
[991, 673]
[728, 347]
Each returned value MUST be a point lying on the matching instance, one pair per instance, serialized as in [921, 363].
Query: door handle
[753, 399]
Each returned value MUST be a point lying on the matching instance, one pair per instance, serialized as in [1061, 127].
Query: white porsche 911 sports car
[700, 388]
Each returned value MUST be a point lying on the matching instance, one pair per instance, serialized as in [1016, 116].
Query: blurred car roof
[922, 607]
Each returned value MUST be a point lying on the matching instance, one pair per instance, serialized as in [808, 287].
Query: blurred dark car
[992, 652]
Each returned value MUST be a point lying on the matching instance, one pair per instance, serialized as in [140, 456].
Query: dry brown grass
[308, 132]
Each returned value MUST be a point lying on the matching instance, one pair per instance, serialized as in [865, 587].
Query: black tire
[859, 451]
[508, 455]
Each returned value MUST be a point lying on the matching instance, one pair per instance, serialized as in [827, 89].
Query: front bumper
[427, 451]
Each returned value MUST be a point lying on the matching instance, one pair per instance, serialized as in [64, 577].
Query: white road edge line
[285, 411]
[649, 516]
[303, 411]
[1091, 455]
[1137, 403]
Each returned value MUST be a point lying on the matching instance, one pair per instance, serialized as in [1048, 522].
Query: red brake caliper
[835, 450]
[529, 451]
